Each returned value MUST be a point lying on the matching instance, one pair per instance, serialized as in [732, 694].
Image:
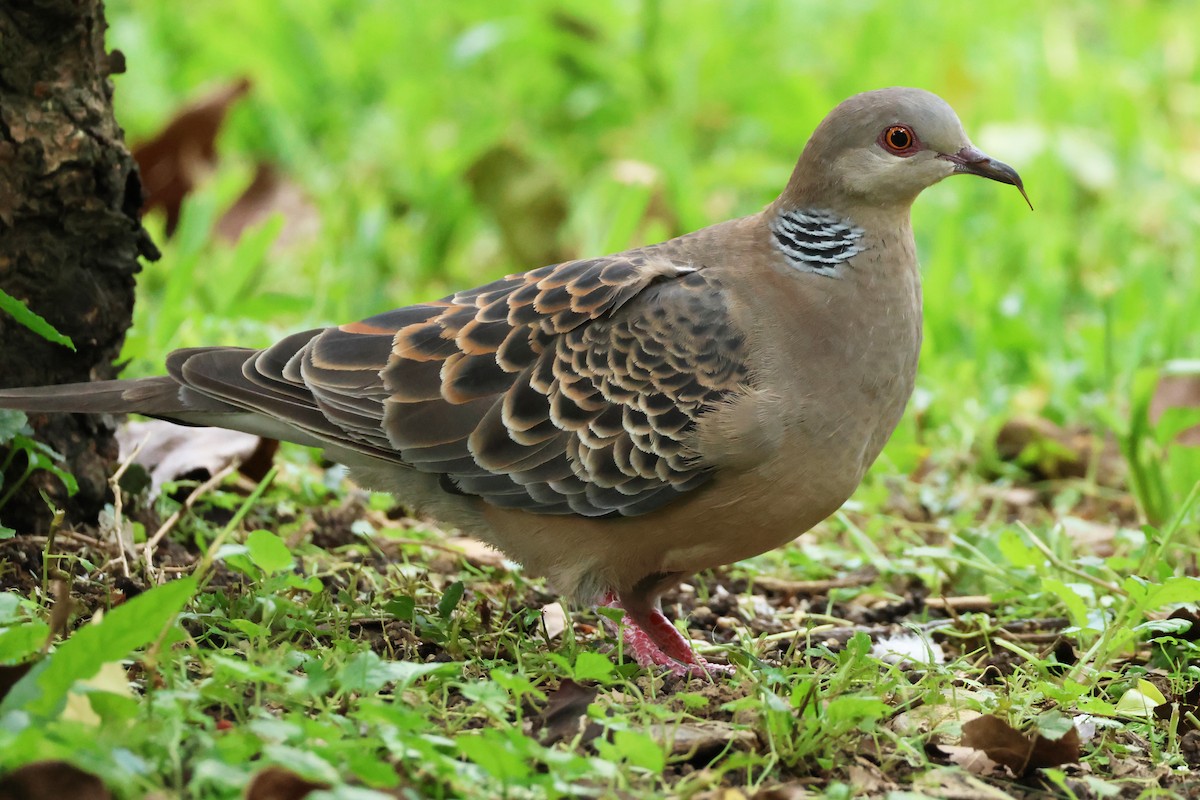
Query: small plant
[1162, 470]
[17, 436]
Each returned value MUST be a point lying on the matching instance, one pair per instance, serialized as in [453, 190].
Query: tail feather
[154, 397]
[210, 386]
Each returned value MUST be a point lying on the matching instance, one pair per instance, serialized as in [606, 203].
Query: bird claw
[659, 644]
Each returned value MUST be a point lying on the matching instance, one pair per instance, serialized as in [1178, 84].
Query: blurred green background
[444, 144]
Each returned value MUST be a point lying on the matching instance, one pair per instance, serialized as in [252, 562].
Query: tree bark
[70, 232]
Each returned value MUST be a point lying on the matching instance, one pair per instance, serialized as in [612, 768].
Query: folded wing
[570, 389]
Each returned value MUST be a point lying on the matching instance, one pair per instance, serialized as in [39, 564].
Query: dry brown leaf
[1021, 753]
[974, 761]
[268, 194]
[1049, 452]
[52, 780]
[701, 742]
[184, 152]
[956, 785]
[1177, 391]
[277, 783]
[565, 714]
[867, 779]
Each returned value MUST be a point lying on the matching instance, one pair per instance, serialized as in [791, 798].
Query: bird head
[883, 148]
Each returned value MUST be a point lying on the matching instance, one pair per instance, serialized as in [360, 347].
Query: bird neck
[816, 187]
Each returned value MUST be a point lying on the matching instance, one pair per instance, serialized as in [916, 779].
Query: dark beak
[971, 161]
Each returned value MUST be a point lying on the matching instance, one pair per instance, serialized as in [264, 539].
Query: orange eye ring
[899, 140]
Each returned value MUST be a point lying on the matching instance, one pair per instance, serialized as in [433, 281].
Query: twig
[1053, 558]
[173, 520]
[74, 536]
[974, 602]
[785, 586]
[114, 483]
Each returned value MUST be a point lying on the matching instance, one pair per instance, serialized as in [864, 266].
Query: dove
[621, 422]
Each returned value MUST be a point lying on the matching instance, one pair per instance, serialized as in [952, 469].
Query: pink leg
[655, 642]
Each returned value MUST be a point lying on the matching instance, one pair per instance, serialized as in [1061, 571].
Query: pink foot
[654, 642]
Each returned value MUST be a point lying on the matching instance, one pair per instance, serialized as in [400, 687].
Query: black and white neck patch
[816, 241]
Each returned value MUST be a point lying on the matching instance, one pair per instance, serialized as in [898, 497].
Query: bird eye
[899, 139]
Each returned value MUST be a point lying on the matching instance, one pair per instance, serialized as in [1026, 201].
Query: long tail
[153, 397]
[208, 386]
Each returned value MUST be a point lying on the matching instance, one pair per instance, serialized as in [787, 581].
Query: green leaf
[17, 643]
[639, 750]
[403, 607]
[1175, 421]
[268, 552]
[591, 666]
[42, 456]
[21, 313]
[367, 673]
[1141, 700]
[850, 711]
[1171, 592]
[12, 422]
[1077, 610]
[1017, 552]
[495, 754]
[133, 624]
[1054, 725]
[453, 594]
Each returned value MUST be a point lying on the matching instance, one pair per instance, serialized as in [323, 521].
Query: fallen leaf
[1140, 700]
[908, 648]
[268, 194]
[52, 780]
[1177, 391]
[565, 714]
[955, 785]
[277, 783]
[974, 761]
[701, 742]
[1049, 452]
[184, 151]
[932, 718]
[169, 452]
[867, 779]
[554, 620]
[1021, 753]
[111, 678]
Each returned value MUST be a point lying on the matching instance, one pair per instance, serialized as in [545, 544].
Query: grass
[324, 636]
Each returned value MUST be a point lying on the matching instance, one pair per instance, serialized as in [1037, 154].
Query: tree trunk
[70, 232]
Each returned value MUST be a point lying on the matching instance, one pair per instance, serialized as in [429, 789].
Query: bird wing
[570, 389]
